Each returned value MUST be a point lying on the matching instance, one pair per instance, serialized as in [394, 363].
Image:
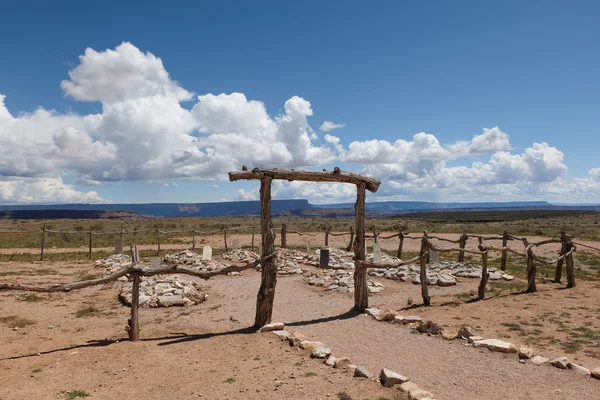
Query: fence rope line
[585, 245]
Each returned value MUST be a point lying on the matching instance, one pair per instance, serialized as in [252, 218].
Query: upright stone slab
[377, 253]
[118, 246]
[207, 253]
[434, 256]
[324, 258]
[155, 262]
[235, 244]
[308, 246]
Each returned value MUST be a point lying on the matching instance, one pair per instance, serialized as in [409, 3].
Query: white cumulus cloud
[327, 126]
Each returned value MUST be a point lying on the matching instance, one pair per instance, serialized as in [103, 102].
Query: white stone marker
[207, 253]
[377, 253]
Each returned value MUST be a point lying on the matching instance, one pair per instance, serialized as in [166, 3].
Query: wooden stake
[361, 291]
[401, 236]
[158, 236]
[133, 325]
[90, 246]
[266, 293]
[193, 240]
[253, 229]
[375, 236]
[484, 270]
[423, 265]
[570, 270]
[327, 236]
[504, 252]
[462, 243]
[122, 238]
[283, 236]
[225, 239]
[349, 248]
[42, 246]
[531, 271]
[559, 263]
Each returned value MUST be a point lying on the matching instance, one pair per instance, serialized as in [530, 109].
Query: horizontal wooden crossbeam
[336, 175]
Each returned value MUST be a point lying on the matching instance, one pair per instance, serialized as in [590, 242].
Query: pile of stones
[240, 256]
[192, 259]
[165, 291]
[337, 258]
[441, 273]
[339, 280]
[114, 263]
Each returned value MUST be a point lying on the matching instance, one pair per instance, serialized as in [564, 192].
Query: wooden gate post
[133, 325]
[504, 252]
[283, 236]
[361, 291]
[90, 246]
[559, 263]
[122, 238]
[266, 293]
[375, 236]
[484, 270]
[423, 265]
[349, 248]
[531, 271]
[42, 246]
[253, 229]
[399, 253]
[225, 239]
[570, 270]
[462, 243]
[193, 240]
[327, 236]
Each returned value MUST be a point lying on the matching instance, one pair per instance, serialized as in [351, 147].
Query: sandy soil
[192, 352]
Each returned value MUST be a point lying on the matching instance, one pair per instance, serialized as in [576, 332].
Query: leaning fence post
[225, 239]
[375, 236]
[531, 271]
[90, 245]
[283, 236]
[327, 236]
[42, 246]
[349, 248]
[399, 253]
[133, 325]
[484, 270]
[423, 265]
[158, 237]
[504, 252]
[462, 243]
[193, 240]
[569, 262]
[559, 263]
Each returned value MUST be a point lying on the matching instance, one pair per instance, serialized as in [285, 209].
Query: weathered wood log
[462, 244]
[570, 266]
[361, 291]
[266, 293]
[423, 269]
[42, 245]
[283, 236]
[399, 252]
[327, 231]
[133, 325]
[347, 177]
[504, 252]
[484, 271]
[349, 247]
[559, 263]
[531, 272]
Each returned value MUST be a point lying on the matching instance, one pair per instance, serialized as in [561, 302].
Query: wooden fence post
[484, 270]
[327, 236]
[570, 270]
[531, 271]
[225, 239]
[42, 246]
[133, 325]
[158, 236]
[266, 293]
[375, 236]
[283, 236]
[193, 240]
[122, 237]
[423, 265]
[253, 229]
[361, 291]
[90, 246]
[399, 253]
[462, 243]
[349, 248]
[504, 252]
[559, 263]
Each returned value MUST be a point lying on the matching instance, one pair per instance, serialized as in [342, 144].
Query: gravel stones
[240, 256]
[339, 280]
[165, 291]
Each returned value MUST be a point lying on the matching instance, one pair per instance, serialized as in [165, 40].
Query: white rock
[390, 378]
[168, 301]
[560, 362]
[525, 353]
[496, 345]
[539, 360]
[281, 333]
[410, 319]
[273, 326]
[579, 369]
[595, 373]
[321, 352]
[330, 361]
[362, 372]
[419, 394]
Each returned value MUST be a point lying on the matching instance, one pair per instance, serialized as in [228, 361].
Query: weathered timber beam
[326, 176]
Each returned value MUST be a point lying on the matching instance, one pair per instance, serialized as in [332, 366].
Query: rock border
[320, 351]
[524, 353]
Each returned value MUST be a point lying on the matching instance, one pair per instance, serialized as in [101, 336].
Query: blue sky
[386, 71]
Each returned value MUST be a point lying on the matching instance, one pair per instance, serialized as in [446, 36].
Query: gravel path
[450, 370]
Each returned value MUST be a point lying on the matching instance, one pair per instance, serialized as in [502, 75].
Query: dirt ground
[204, 351]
